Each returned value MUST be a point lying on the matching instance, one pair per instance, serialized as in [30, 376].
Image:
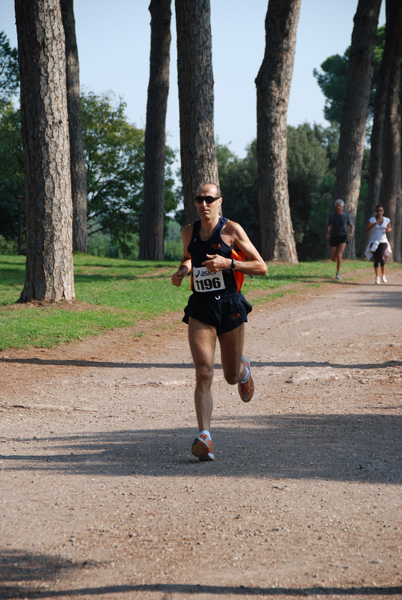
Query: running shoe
[377, 281]
[246, 389]
[337, 276]
[384, 279]
[203, 448]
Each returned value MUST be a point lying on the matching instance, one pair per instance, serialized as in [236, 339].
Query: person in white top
[379, 246]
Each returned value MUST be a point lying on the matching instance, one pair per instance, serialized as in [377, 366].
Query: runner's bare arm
[235, 235]
[185, 265]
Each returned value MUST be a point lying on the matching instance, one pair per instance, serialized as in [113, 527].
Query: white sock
[247, 374]
[205, 432]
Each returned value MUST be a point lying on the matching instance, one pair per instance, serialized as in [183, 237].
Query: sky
[114, 41]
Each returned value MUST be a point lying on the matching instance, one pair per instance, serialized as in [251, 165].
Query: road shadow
[382, 298]
[360, 448]
[26, 575]
[359, 284]
[49, 362]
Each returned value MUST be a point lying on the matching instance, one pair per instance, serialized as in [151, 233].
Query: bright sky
[114, 39]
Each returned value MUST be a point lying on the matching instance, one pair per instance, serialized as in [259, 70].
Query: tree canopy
[114, 156]
[311, 166]
[332, 79]
[9, 73]
[11, 170]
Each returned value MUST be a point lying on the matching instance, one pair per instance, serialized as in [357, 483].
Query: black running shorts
[338, 239]
[222, 312]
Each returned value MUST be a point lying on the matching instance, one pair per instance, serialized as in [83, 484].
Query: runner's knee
[232, 380]
[232, 377]
[204, 375]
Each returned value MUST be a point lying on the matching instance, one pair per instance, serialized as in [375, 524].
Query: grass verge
[114, 293]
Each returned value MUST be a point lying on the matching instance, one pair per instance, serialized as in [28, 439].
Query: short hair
[218, 191]
[339, 201]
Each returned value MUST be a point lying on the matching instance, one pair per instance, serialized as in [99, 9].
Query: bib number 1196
[204, 281]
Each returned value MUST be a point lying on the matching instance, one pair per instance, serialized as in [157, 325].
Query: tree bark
[41, 49]
[77, 158]
[153, 217]
[273, 88]
[196, 99]
[385, 157]
[391, 192]
[355, 111]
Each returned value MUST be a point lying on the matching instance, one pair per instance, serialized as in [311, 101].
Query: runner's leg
[339, 253]
[202, 339]
[231, 344]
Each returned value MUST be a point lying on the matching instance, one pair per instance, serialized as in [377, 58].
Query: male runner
[215, 252]
[338, 238]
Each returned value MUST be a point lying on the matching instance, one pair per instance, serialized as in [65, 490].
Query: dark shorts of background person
[338, 239]
[379, 255]
[225, 313]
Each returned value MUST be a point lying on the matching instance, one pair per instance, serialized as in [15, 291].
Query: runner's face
[339, 209]
[212, 209]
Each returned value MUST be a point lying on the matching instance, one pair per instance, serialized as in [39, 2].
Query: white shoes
[337, 276]
[384, 279]
[377, 281]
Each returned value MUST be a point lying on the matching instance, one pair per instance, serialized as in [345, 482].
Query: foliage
[310, 201]
[11, 159]
[173, 243]
[11, 171]
[114, 154]
[238, 181]
[9, 72]
[120, 293]
[312, 152]
[7, 246]
[104, 244]
[332, 80]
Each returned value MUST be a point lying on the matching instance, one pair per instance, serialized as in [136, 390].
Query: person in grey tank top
[339, 229]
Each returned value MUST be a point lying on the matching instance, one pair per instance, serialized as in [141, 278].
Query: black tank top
[202, 281]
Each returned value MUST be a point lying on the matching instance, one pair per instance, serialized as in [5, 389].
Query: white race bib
[204, 281]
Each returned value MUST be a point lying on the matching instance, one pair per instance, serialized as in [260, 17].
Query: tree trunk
[41, 49]
[273, 88]
[153, 216]
[354, 116]
[376, 152]
[385, 157]
[77, 158]
[196, 99]
[391, 192]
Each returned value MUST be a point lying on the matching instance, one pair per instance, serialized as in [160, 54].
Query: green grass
[115, 293]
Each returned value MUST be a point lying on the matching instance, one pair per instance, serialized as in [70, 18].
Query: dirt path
[100, 497]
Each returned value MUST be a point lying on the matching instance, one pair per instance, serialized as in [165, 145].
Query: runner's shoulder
[186, 232]
[232, 228]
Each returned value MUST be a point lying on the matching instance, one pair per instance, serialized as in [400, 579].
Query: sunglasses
[379, 210]
[208, 199]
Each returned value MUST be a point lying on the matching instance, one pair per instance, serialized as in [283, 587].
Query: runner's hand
[216, 263]
[178, 277]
